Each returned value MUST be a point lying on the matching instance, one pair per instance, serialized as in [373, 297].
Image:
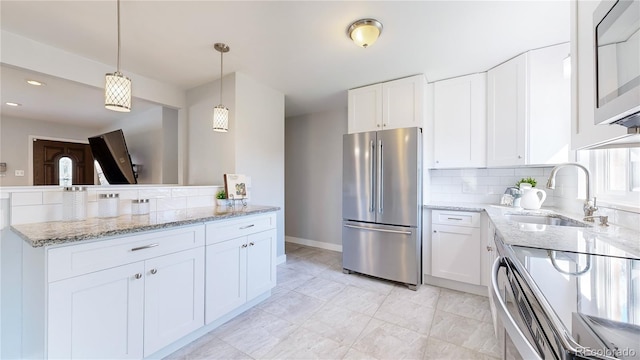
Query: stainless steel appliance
[617, 65]
[382, 204]
[562, 305]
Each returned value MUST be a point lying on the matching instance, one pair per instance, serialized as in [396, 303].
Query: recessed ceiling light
[13, 104]
[35, 83]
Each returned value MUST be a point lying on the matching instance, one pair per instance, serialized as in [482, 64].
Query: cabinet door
[506, 113]
[97, 315]
[403, 102]
[174, 298]
[460, 122]
[261, 268]
[365, 109]
[226, 277]
[455, 253]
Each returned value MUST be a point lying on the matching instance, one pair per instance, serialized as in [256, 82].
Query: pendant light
[117, 88]
[220, 112]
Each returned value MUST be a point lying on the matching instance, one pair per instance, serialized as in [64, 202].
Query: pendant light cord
[221, 59]
[118, 35]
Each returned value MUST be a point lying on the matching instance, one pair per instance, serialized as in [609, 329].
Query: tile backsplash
[483, 185]
[487, 186]
[40, 204]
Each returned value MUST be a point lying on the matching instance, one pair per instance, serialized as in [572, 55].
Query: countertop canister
[108, 205]
[74, 203]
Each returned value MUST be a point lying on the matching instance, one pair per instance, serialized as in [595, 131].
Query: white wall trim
[281, 259]
[314, 243]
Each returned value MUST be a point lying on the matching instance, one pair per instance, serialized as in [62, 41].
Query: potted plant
[221, 198]
[528, 180]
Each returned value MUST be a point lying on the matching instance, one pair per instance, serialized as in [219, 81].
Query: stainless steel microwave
[617, 62]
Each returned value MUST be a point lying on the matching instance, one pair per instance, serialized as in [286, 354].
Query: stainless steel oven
[560, 305]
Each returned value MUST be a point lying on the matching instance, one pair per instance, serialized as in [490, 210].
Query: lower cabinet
[455, 246]
[238, 270]
[132, 310]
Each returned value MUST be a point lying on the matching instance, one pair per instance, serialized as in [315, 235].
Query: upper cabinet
[390, 105]
[528, 109]
[460, 122]
[584, 132]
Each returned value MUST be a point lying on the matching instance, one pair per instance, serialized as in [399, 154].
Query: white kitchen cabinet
[460, 122]
[98, 314]
[528, 109]
[173, 298]
[389, 105]
[238, 269]
[455, 246]
[104, 305]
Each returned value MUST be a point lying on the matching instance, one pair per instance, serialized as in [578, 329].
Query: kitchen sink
[552, 219]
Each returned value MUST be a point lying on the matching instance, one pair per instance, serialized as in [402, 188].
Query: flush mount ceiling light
[13, 104]
[365, 32]
[220, 112]
[35, 83]
[117, 89]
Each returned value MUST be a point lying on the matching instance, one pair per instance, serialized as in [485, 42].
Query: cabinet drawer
[459, 218]
[218, 231]
[73, 260]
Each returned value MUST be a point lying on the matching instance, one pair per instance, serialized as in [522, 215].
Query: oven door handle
[526, 350]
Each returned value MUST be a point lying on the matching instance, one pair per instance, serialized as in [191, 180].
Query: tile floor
[317, 312]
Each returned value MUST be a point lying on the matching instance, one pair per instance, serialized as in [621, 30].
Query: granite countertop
[595, 239]
[60, 232]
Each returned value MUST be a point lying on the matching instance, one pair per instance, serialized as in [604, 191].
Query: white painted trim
[281, 259]
[456, 285]
[313, 243]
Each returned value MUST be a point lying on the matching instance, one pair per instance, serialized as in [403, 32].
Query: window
[65, 171]
[616, 174]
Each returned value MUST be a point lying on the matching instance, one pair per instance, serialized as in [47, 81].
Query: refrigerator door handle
[372, 208]
[379, 230]
[380, 169]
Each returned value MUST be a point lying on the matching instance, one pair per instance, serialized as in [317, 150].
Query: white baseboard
[281, 259]
[456, 285]
[314, 243]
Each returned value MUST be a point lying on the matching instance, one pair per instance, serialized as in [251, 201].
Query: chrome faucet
[589, 206]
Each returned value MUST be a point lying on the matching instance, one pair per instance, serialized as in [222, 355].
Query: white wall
[170, 148]
[313, 168]
[15, 147]
[210, 154]
[254, 144]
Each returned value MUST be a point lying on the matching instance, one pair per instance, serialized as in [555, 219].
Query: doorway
[62, 163]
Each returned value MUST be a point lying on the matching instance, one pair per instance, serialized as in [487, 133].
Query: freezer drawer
[388, 252]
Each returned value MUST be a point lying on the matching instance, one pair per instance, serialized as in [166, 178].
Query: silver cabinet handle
[519, 156]
[489, 248]
[244, 245]
[434, 231]
[138, 276]
[144, 247]
[450, 218]
[154, 271]
[251, 243]
[379, 230]
[246, 226]
[519, 340]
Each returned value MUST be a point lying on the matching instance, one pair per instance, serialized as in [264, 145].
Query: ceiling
[297, 47]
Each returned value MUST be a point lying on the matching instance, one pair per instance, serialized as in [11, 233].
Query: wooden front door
[47, 155]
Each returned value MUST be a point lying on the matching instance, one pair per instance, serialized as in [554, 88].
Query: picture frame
[236, 186]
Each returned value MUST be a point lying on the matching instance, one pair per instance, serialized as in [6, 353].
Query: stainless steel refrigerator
[382, 204]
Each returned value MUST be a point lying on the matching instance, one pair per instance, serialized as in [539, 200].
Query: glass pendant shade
[220, 118]
[117, 92]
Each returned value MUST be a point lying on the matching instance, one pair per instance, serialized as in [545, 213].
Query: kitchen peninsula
[135, 286]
